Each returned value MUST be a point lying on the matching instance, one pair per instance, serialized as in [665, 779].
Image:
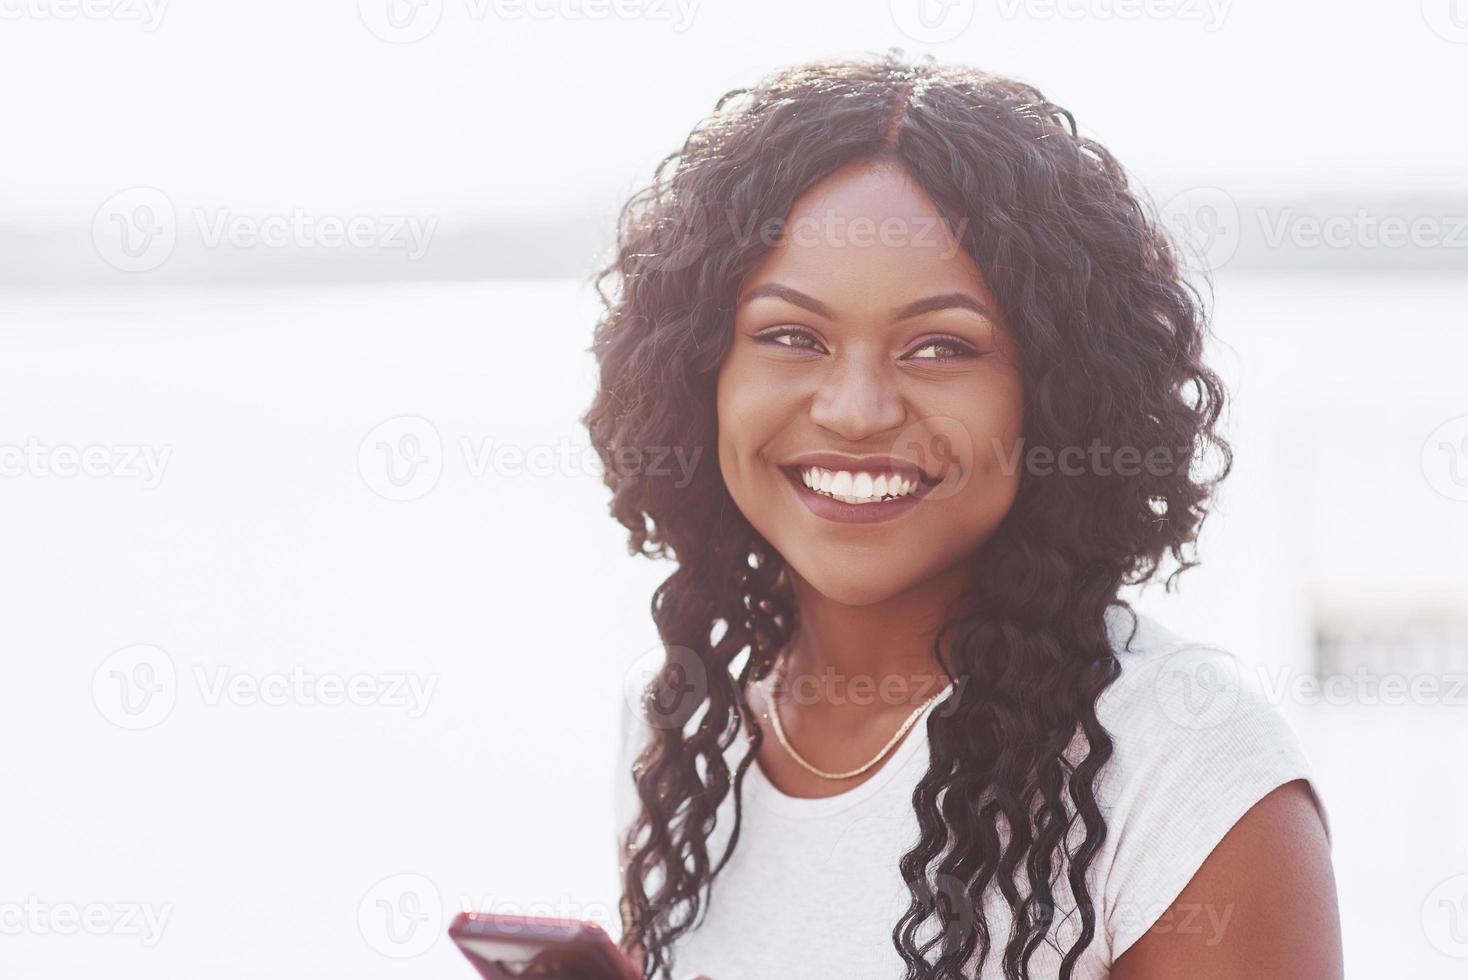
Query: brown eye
[947, 349]
[798, 339]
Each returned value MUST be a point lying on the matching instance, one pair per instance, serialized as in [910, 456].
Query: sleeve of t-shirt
[1201, 742]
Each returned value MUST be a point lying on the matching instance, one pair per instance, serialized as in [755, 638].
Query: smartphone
[506, 946]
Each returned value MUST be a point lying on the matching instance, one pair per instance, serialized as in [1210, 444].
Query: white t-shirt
[814, 884]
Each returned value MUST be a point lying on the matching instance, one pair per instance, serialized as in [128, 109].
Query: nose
[858, 398]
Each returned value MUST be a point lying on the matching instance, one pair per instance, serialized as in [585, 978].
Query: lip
[832, 509]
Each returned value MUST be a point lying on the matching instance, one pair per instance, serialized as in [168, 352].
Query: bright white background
[334, 840]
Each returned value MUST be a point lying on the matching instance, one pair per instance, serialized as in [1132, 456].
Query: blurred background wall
[315, 626]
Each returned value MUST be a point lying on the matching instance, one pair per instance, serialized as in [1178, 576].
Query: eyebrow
[942, 301]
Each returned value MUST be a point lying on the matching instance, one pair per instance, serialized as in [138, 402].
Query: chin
[852, 588]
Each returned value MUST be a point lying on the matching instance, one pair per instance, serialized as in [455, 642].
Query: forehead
[868, 230]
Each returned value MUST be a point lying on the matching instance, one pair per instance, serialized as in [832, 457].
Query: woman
[949, 377]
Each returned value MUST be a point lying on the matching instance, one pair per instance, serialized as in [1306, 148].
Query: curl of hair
[1111, 338]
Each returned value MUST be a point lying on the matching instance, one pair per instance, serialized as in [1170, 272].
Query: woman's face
[867, 345]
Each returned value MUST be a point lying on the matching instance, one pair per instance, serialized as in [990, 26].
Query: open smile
[860, 496]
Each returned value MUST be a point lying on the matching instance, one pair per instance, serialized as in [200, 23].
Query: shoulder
[1191, 710]
[1197, 742]
[1263, 903]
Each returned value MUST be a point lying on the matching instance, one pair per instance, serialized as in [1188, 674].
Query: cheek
[753, 401]
[1004, 430]
[743, 422]
[991, 423]
[1002, 463]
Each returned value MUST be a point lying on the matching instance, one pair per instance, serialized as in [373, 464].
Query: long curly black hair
[1111, 334]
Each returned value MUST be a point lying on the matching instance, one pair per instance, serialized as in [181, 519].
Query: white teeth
[859, 487]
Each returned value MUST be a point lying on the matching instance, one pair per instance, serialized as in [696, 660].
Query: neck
[872, 658]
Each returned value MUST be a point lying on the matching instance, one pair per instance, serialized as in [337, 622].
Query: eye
[959, 351]
[797, 338]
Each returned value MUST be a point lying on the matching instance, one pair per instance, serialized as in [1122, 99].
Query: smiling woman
[985, 764]
[837, 348]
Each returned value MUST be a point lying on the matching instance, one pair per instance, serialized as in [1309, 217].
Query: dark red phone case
[504, 947]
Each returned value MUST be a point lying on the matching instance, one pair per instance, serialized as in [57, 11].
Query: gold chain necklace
[774, 715]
